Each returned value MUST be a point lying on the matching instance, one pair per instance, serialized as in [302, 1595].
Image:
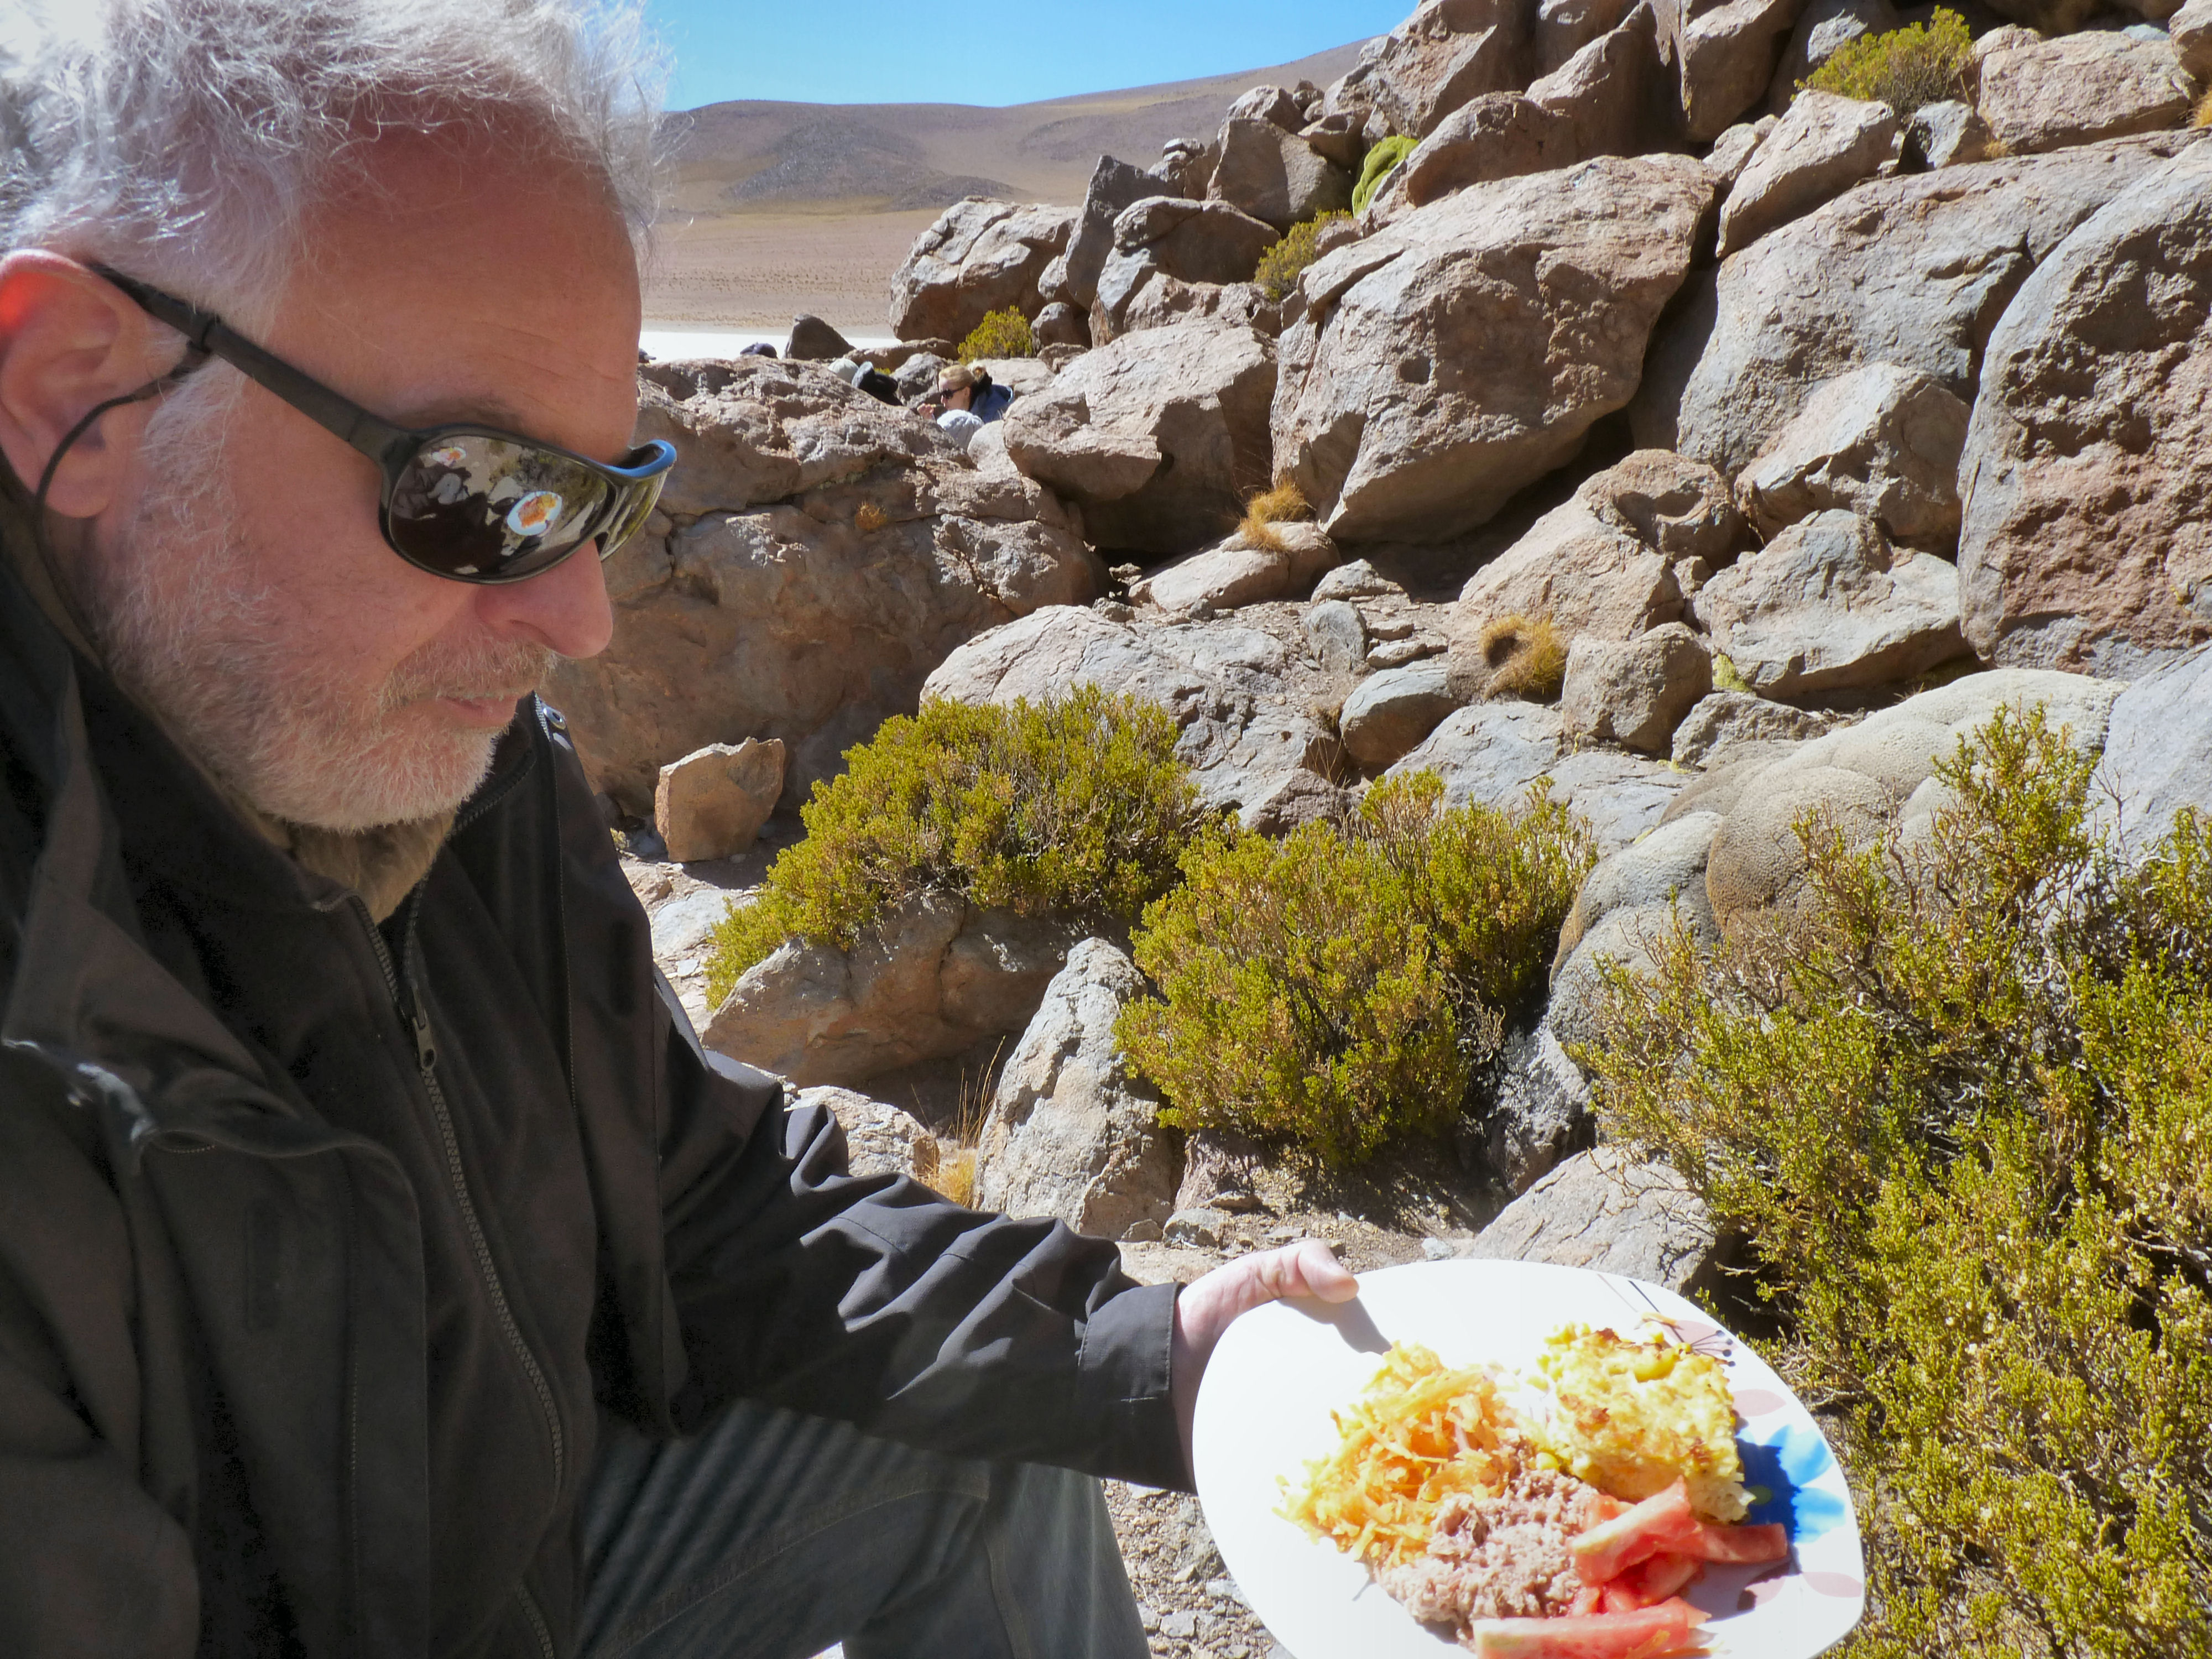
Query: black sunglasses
[469, 502]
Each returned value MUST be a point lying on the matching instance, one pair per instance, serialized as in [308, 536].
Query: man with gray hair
[385, 1267]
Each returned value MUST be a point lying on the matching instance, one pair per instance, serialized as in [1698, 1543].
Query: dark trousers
[773, 1535]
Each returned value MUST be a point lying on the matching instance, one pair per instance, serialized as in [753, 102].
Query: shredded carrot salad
[1419, 1435]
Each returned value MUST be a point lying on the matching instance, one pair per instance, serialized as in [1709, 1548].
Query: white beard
[186, 628]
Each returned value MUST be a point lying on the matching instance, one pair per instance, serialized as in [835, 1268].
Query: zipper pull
[426, 1046]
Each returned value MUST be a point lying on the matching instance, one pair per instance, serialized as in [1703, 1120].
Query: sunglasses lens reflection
[481, 508]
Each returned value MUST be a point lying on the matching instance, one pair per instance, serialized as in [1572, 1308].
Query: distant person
[967, 400]
[865, 377]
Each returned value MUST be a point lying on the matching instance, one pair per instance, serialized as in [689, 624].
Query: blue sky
[873, 52]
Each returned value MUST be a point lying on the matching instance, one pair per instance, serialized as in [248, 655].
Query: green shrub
[1347, 984]
[1077, 807]
[1000, 334]
[1960, 1108]
[1285, 261]
[1925, 63]
[1381, 162]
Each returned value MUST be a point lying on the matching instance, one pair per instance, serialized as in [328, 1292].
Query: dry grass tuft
[2202, 118]
[870, 519]
[1281, 505]
[1526, 656]
[960, 1164]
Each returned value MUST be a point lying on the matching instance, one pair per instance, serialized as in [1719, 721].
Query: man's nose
[565, 610]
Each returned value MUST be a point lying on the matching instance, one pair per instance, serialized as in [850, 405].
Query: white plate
[1263, 1413]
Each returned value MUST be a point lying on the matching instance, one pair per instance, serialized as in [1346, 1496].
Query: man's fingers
[1308, 1267]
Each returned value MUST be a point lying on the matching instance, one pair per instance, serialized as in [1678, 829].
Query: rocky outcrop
[2158, 752]
[930, 981]
[2191, 31]
[1723, 722]
[2088, 464]
[1724, 53]
[1491, 754]
[1821, 148]
[1446, 53]
[1628, 907]
[713, 802]
[979, 257]
[1463, 351]
[1501, 135]
[1829, 606]
[1114, 187]
[1635, 692]
[1222, 683]
[1275, 175]
[1911, 270]
[1540, 1114]
[1603, 563]
[817, 555]
[1238, 572]
[1603, 1211]
[1160, 436]
[1948, 134]
[1071, 1134]
[1611, 93]
[1161, 240]
[1877, 776]
[1881, 441]
[2044, 94]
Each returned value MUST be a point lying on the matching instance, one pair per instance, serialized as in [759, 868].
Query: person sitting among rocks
[385, 1266]
[968, 399]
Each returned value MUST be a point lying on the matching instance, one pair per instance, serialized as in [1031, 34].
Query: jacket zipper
[538, 1625]
[411, 1015]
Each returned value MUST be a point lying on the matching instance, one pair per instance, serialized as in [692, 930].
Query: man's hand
[1207, 1305]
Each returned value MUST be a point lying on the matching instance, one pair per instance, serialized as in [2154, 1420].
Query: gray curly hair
[188, 141]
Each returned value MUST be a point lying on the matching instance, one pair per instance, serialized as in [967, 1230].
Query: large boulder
[1603, 1211]
[1168, 239]
[712, 802]
[1635, 692]
[1491, 754]
[1221, 681]
[930, 979]
[1912, 271]
[1819, 149]
[1115, 187]
[817, 553]
[1882, 442]
[2158, 751]
[978, 257]
[1564, 28]
[2042, 94]
[1463, 352]
[1501, 135]
[1160, 436]
[1724, 54]
[1389, 713]
[2088, 464]
[2191, 31]
[1875, 777]
[1071, 1134]
[1829, 606]
[1275, 175]
[1602, 563]
[1610, 94]
[1446, 53]
[1540, 1113]
[1723, 723]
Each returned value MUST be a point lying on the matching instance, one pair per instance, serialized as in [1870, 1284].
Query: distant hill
[778, 207]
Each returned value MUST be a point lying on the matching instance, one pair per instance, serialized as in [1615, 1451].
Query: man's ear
[70, 340]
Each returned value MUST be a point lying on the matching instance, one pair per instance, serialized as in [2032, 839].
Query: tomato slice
[1663, 1523]
[1651, 1581]
[1646, 1634]
[1589, 1599]
[1743, 1546]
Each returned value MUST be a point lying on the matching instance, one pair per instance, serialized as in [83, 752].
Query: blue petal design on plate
[1781, 1473]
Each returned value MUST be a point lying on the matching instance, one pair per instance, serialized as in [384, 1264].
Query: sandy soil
[759, 270]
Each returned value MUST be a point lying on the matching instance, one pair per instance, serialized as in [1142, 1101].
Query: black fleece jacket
[323, 1244]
